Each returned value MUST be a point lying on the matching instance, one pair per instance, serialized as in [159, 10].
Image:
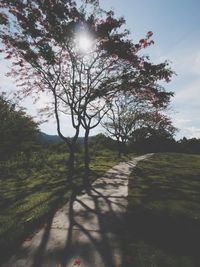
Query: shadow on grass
[163, 222]
[178, 236]
[22, 189]
[8, 247]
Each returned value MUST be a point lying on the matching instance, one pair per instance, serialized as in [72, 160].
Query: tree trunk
[124, 148]
[119, 148]
[71, 160]
[86, 150]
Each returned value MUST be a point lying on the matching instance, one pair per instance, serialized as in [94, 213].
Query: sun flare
[84, 42]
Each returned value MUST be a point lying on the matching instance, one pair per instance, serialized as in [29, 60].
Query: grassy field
[29, 194]
[164, 212]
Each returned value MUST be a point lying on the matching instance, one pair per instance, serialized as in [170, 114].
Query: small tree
[121, 119]
[156, 133]
[154, 123]
[129, 112]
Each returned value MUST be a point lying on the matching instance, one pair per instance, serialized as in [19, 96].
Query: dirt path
[87, 231]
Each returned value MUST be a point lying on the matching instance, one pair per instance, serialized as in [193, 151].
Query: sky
[176, 28]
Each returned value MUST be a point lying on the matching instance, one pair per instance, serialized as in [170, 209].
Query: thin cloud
[194, 132]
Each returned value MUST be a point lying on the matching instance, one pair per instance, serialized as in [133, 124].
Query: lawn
[164, 212]
[29, 194]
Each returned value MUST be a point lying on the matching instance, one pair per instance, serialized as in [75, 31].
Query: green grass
[164, 212]
[30, 194]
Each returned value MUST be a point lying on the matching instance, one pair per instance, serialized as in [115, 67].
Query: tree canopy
[17, 130]
[43, 37]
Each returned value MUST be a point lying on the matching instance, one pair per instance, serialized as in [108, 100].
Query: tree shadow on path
[101, 239]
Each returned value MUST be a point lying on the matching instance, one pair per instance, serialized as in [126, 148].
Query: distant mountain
[55, 138]
[49, 138]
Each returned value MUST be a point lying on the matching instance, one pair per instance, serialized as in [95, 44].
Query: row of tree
[19, 136]
[85, 61]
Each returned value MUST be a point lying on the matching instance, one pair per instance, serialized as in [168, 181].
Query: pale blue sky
[176, 28]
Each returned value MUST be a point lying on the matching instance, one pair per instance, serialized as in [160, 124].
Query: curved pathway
[87, 231]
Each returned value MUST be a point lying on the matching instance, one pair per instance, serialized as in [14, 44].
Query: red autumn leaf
[77, 262]
[8, 57]
[137, 46]
[145, 44]
[149, 34]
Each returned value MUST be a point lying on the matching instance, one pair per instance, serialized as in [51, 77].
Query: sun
[84, 42]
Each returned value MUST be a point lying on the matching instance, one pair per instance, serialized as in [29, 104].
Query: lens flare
[84, 42]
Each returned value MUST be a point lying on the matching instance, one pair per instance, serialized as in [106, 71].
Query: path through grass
[29, 194]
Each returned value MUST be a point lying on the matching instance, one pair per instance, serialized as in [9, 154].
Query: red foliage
[77, 262]
[9, 56]
[41, 42]
[149, 34]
